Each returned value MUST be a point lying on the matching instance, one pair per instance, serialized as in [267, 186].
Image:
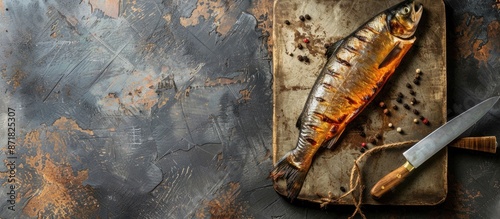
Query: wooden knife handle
[484, 144]
[391, 180]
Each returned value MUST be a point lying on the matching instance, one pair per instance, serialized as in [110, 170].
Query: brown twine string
[354, 184]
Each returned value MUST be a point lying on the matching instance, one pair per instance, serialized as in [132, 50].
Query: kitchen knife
[431, 144]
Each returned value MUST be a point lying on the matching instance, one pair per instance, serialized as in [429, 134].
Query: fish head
[403, 18]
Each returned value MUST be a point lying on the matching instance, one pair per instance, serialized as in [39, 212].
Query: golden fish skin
[357, 68]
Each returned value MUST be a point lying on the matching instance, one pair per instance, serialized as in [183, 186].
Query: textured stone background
[162, 109]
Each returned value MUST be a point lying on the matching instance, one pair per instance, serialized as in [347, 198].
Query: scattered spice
[373, 140]
[422, 118]
[400, 95]
[412, 92]
[399, 130]
[416, 81]
[406, 106]
[300, 58]
[305, 40]
[416, 112]
[418, 71]
[387, 112]
[342, 189]
[307, 17]
[381, 104]
[399, 100]
[299, 46]
[408, 85]
[302, 18]
[414, 100]
[291, 54]
[417, 77]
[390, 125]
[378, 136]
[287, 22]
[395, 107]
[362, 150]
[306, 59]
[363, 144]
[426, 121]
[415, 121]
[362, 134]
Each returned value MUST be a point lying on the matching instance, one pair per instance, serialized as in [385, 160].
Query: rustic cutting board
[330, 173]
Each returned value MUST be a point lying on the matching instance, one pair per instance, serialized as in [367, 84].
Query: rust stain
[245, 95]
[468, 44]
[221, 81]
[108, 7]
[262, 10]
[2, 7]
[138, 95]
[225, 205]
[167, 17]
[461, 200]
[70, 125]
[60, 191]
[16, 79]
[207, 9]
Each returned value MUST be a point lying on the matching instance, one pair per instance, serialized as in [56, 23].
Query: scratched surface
[163, 109]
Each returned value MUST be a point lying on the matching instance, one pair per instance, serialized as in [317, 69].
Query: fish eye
[406, 10]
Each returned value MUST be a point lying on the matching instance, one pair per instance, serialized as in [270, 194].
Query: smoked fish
[357, 68]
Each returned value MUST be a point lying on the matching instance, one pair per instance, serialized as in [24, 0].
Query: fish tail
[294, 177]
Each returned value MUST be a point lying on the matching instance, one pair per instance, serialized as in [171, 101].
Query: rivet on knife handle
[391, 180]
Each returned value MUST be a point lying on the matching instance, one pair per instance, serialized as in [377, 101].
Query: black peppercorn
[416, 112]
[302, 18]
[399, 100]
[400, 95]
[299, 46]
[307, 17]
[287, 22]
[362, 134]
[414, 101]
[306, 59]
[406, 106]
[408, 85]
[395, 107]
[300, 58]
[412, 92]
[416, 81]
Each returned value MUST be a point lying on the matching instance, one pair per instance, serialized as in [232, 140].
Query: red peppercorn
[425, 121]
[363, 144]
[305, 40]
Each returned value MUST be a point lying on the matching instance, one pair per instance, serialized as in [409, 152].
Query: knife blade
[431, 144]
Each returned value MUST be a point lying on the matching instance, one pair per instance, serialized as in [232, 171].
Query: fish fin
[294, 177]
[392, 56]
[332, 48]
[329, 144]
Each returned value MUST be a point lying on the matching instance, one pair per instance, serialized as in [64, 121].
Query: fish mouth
[418, 10]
